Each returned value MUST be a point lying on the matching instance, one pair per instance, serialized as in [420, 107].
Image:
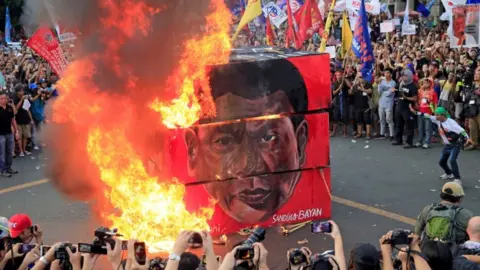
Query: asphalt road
[388, 178]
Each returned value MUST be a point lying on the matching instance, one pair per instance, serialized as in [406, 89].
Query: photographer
[467, 256]
[387, 243]
[179, 259]
[259, 260]
[22, 230]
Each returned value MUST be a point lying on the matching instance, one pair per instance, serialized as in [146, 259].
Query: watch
[44, 261]
[173, 257]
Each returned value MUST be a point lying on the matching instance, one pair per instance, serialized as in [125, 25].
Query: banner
[372, 6]
[464, 27]
[46, 45]
[361, 45]
[260, 169]
[275, 13]
[387, 27]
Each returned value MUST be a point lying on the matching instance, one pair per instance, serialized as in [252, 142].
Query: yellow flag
[328, 25]
[253, 10]
[346, 36]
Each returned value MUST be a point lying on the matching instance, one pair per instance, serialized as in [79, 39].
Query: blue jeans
[7, 143]
[424, 129]
[450, 151]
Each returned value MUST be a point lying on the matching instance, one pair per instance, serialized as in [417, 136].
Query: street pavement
[388, 178]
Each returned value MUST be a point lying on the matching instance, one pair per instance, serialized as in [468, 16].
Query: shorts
[24, 131]
[340, 116]
[363, 117]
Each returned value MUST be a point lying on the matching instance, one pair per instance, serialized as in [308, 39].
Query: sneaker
[458, 181]
[446, 176]
[28, 153]
[36, 148]
[407, 146]
[5, 174]
[418, 145]
[21, 154]
[12, 171]
[425, 146]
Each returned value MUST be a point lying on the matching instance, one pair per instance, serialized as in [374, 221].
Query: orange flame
[147, 208]
[211, 49]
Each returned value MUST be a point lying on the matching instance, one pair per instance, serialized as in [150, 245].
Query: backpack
[441, 223]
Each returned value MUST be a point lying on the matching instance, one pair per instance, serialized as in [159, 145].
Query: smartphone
[25, 248]
[140, 253]
[44, 250]
[34, 229]
[321, 227]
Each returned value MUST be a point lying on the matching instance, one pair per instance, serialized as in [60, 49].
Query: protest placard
[276, 14]
[330, 50]
[464, 27]
[387, 27]
[409, 29]
[371, 6]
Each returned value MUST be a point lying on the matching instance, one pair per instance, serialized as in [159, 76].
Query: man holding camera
[22, 230]
[445, 221]
[23, 118]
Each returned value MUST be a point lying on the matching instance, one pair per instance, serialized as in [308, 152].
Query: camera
[61, 251]
[246, 251]
[196, 240]
[321, 227]
[400, 237]
[157, 263]
[103, 235]
[320, 260]
[297, 257]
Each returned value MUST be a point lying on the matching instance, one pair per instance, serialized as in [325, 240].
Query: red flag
[270, 33]
[310, 20]
[46, 45]
[292, 29]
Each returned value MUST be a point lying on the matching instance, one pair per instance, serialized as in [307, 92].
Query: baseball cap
[43, 81]
[453, 189]
[435, 63]
[365, 256]
[4, 231]
[18, 223]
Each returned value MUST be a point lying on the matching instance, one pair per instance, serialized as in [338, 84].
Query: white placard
[67, 37]
[387, 27]
[275, 13]
[396, 21]
[26, 104]
[409, 29]
[331, 50]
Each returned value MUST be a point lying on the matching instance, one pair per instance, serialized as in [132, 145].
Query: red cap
[18, 223]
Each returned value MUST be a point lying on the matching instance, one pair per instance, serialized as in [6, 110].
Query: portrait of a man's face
[459, 25]
[246, 158]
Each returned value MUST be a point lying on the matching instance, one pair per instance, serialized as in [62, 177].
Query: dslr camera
[320, 261]
[61, 251]
[297, 257]
[246, 252]
[400, 237]
[103, 235]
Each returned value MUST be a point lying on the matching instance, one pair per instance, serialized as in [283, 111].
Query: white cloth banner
[387, 27]
[372, 6]
[275, 13]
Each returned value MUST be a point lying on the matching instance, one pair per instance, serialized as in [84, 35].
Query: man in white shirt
[452, 134]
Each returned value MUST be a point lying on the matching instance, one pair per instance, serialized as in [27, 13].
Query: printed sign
[464, 27]
[409, 29]
[275, 13]
[387, 27]
[372, 6]
[67, 37]
[45, 44]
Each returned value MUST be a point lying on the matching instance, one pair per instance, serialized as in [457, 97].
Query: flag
[269, 32]
[8, 26]
[425, 10]
[253, 10]
[292, 29]
[328, 25]
[473, 2]
[309, 20]
[346, 36]
[361, 45]
[46, 45]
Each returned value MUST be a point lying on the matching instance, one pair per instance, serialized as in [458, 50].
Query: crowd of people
[445, 236]
[26, 84]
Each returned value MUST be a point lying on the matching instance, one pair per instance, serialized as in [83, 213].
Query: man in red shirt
[427, 100]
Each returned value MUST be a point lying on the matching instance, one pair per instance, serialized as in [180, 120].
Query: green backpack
[441, 223]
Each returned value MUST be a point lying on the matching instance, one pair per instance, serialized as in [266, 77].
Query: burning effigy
[164, 127]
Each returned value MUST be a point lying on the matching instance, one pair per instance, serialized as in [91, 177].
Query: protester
[23, 119]
[8, 127]
[406, 95]
[427, 98]
[385, 106]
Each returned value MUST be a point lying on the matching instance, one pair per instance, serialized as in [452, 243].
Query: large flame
[145, 207]
[211, 49]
